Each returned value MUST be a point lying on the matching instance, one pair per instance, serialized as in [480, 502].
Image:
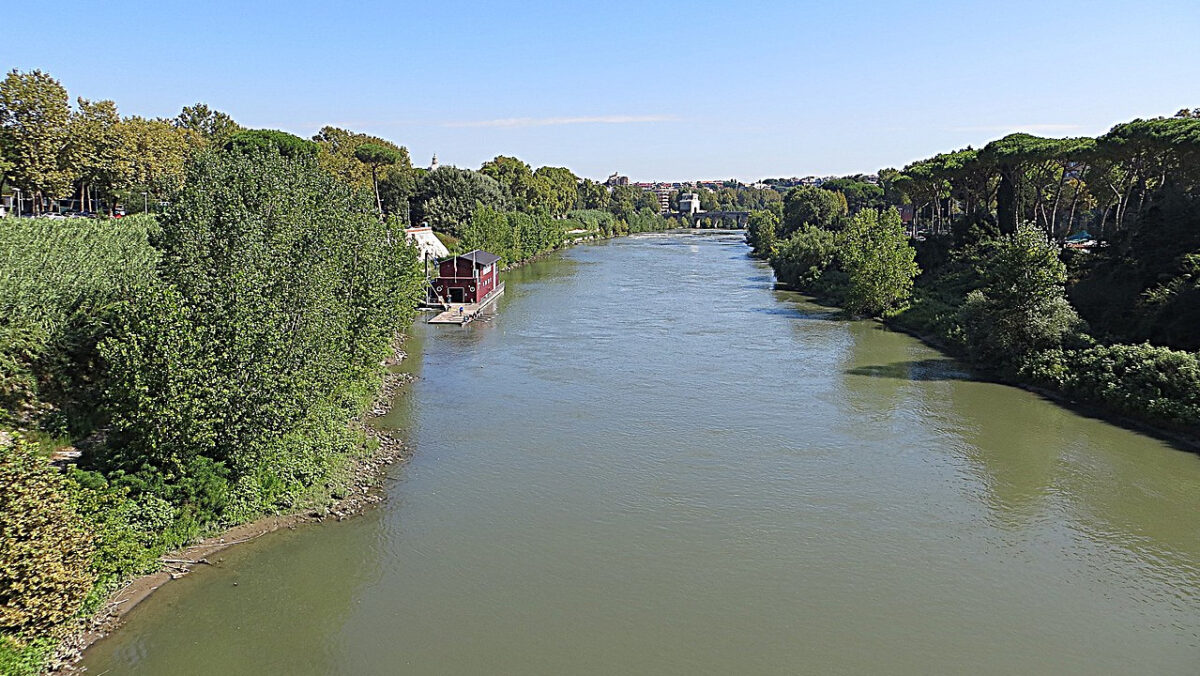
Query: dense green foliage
[1020, 306]
[812, 206]
[513, 236]
[802, 259]
[868, 266]
[878, 261]
[762, 233]
[447, 198]
[43, 542]
[232, 376]
[59, 283]
[252, 141]
[1143, 381]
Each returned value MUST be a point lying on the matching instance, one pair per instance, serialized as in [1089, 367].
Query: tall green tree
[814, 206]
[562, 188]
[274, 141]
[447, 197]
[522, 189]
[880, 262]
[96, 140]
[762, 230]
[153, 156]
[593, 195]
[375, 156]
[35, 132]
[1021, 305]
[232, 376]
[211, 125]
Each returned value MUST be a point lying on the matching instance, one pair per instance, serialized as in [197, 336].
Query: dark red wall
[459, 272]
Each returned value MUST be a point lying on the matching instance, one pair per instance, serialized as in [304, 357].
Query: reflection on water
[648, 461]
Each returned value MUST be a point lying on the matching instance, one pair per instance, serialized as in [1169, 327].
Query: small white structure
[428, 245]
[433, 165]
[689, 204]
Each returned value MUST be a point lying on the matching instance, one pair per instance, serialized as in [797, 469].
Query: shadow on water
[919, 369]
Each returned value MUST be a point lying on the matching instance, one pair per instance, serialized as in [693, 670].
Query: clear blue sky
[656, 90]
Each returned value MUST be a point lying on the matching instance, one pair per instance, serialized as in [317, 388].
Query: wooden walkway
[463, 313]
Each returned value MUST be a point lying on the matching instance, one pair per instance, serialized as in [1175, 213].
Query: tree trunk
[1006, 202]
[378, 202]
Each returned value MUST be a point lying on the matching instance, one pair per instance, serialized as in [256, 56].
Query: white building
[689, 203]
[429, 246]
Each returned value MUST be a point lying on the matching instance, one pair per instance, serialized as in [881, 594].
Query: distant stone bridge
[719, 219]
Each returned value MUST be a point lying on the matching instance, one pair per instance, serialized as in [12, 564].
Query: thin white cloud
[1048, 128]
[554, 121]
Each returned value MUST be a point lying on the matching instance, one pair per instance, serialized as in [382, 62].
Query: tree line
[982, 270]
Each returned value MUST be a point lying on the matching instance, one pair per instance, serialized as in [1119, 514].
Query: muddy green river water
[647, 461]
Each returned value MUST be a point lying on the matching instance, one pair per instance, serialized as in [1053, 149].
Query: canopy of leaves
[213, 126]
[447, 198]
[271, 141]
[1021, 305]
[881, 264]
[44, 545]
[35, 132]
[376, 155]
[232, 376]
[813, 206]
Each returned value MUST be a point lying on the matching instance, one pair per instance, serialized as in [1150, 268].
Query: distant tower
[433, 165]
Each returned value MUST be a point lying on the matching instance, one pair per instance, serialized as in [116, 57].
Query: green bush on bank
[233, 374]
[801, 260]
[45, 546]
[1152, 383]
[512, 235]
[868, 266]
[599, 220]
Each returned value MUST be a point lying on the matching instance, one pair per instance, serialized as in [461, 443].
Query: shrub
[1021, 306]
[1145, 381]
[45, 545]
[802, 258]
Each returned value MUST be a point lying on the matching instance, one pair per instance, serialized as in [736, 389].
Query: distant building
[433, 165]
[664, 198]
[689, 204]
[616, 180]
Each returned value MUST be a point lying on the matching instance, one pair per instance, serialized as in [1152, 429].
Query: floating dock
[463, 313]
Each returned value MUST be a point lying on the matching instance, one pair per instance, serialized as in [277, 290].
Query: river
[647, 461]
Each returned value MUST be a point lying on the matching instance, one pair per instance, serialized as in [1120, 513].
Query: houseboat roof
[478, 257]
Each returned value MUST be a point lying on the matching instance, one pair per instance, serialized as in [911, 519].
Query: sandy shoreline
[364, 490]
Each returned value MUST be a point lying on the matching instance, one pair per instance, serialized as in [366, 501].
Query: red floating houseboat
[467, 278]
